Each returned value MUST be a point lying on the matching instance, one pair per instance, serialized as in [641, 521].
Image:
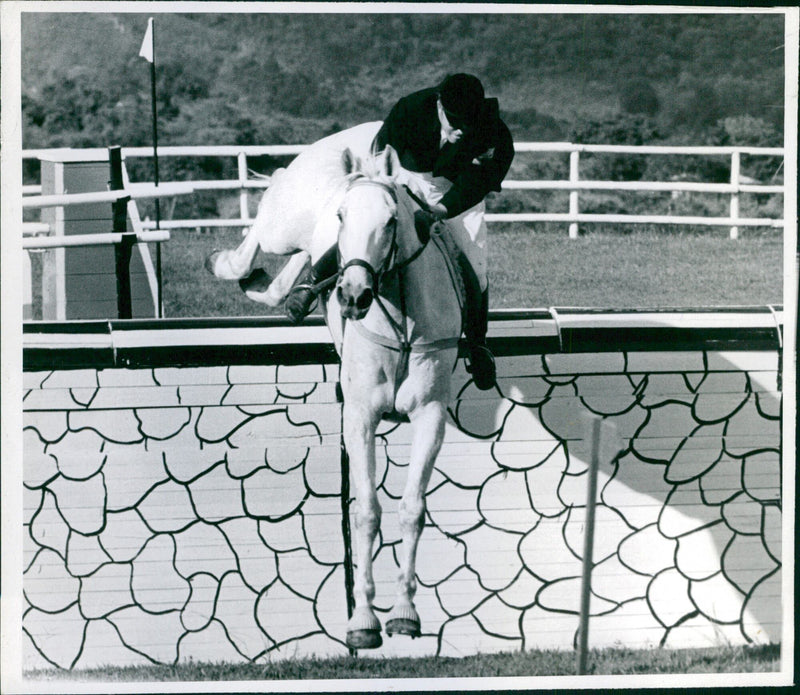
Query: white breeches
[468, 229]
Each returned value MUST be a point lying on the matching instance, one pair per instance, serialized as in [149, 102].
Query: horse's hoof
[211, 261]
[403, 626]
[258, 281]
[364, 639]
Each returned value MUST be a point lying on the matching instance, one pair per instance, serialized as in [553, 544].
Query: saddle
[459, 268]
[463, 276]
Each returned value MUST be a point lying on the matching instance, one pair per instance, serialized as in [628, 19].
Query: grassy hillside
[272, 78]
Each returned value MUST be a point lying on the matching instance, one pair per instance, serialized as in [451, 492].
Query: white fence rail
[50, 239]
[102, 239]
[574, 184]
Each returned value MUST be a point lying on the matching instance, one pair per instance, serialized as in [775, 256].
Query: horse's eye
[339, 214]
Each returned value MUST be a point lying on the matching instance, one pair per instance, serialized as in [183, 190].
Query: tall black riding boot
[302, 296]
[481, 361]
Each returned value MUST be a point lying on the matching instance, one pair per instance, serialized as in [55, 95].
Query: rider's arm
[484, 174]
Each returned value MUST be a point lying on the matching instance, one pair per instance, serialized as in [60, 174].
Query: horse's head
[368, 241]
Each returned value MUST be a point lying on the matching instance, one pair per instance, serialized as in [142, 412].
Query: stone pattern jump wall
[194, 513]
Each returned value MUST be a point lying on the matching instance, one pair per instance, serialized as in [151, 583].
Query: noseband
[390, 262]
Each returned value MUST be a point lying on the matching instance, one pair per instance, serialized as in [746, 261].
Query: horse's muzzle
[354, 301]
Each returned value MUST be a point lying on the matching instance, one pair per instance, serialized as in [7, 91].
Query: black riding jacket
[476, 165]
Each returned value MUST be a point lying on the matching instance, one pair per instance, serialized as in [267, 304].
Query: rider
[455, 150]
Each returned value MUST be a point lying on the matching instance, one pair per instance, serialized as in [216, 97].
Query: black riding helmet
[462, 98]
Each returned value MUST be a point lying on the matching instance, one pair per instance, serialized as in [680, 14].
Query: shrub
[747, 130]
[639, 97]
[694, 105]
[530, 124]
[620, 129]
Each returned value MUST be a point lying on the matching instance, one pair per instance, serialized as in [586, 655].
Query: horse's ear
[350, 162]
[389, 162]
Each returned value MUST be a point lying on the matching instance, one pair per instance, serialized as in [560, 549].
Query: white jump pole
[601, 434]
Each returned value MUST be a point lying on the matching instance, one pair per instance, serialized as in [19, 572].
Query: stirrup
[304, 286]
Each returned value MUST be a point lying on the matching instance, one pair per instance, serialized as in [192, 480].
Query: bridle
[390, 264]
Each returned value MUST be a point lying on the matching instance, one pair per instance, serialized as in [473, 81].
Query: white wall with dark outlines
[174, 514]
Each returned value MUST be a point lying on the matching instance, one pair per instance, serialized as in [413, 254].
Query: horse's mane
[369, 167]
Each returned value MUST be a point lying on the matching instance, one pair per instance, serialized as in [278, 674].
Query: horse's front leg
[428, 422]
[363, 628]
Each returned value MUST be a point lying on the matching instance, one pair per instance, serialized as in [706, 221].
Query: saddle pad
[455, 259]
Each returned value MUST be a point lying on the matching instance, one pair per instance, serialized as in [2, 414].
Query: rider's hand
[422, 223]
[438, 211]
[425, 219]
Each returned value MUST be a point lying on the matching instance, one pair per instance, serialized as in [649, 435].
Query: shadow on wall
[688, 526]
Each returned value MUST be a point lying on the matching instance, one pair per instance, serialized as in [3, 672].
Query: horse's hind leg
[272, 291]
[363, 628]
[233, 264]
[428, 423]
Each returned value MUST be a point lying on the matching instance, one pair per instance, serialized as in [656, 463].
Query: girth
[420, 346]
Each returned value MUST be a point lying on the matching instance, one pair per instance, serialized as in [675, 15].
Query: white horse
[395, 319]
[296, 215]
[398, 352]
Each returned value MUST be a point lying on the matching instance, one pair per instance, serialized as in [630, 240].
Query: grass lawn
[644, 269]
[531, 267]
[530, 663]
[534, 269]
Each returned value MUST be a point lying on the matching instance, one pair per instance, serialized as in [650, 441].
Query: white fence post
[54, 291]
[735, 169]
[574, 177]
[27, 287]
[241, 158]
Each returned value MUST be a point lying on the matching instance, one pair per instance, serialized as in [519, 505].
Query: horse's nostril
[364, 299]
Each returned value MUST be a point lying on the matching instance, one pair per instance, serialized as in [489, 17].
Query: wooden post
[344, 498]
[574, 176]
[602, 438]
[27, 287]
[124, 249]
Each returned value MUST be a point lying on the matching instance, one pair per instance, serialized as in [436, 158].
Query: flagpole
[155, 167]
[148, 52]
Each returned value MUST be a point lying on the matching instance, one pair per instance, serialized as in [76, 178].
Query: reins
[375, 275]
